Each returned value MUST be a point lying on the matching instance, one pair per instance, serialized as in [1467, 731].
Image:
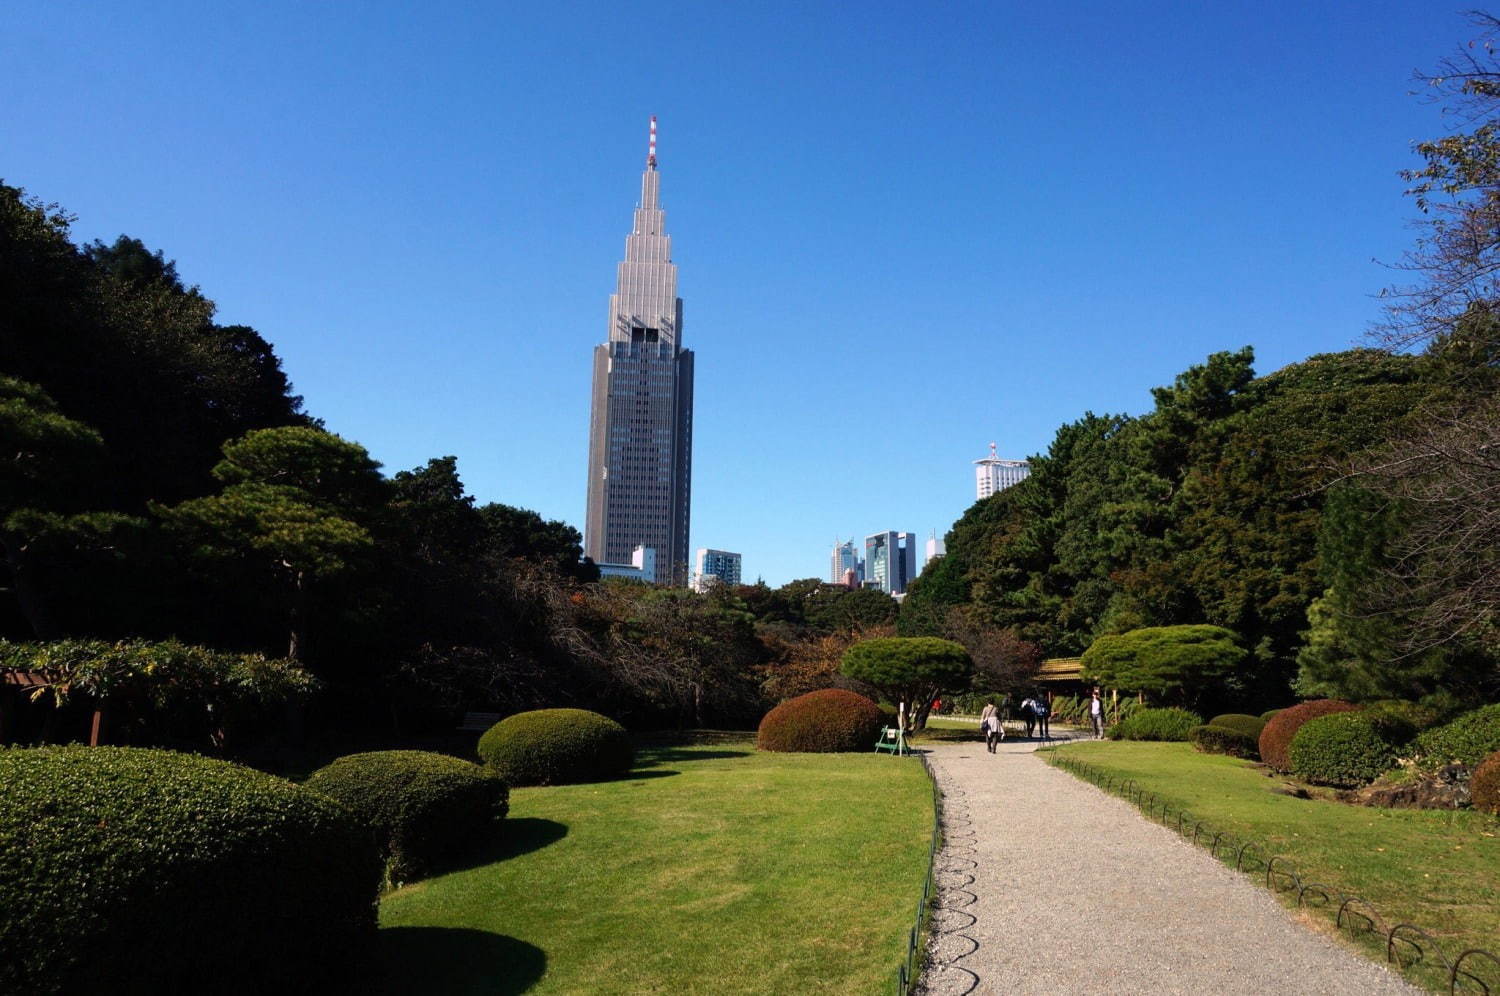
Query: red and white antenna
[651, 155]
[992, 451]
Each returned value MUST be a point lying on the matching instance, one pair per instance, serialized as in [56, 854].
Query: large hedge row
[424, 809]
[1276, 738]
[1157, 724]
[1213, 739]
[1347, 749]
[556, 747]
[1467, 740]
[132, 870]
[830, 720]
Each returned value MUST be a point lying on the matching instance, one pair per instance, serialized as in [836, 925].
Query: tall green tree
[911, 671]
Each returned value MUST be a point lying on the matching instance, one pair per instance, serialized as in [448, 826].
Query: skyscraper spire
[651, 154]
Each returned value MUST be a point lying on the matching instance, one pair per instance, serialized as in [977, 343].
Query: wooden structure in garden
[19, 687]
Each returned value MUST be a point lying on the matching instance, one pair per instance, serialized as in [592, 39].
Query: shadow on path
[452, 960]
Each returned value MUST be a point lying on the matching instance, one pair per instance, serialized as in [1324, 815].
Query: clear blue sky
[903, 230]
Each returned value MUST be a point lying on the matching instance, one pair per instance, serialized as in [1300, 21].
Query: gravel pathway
[1048, 885]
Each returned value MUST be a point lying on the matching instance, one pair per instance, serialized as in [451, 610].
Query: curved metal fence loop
[1399, 932]
[1289, 872]
[1327, 892]
[1347, 912]
[1239, 857]
[1456, 972]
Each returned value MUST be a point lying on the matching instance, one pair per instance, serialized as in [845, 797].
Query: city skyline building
[935, 548]
[890, 561]
[845, 558]
[992, 474]
[642, 566]
[712, 567]
[641, 421]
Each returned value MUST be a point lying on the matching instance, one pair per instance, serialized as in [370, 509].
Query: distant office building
[642, 566]
[851, 579]
[845, 559]
[890, 561]
[641, 426]
[713, 567]
[993, 474]
[935, 548]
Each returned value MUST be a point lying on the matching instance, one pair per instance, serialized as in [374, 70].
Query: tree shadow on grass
[452, 960]
[650, 757]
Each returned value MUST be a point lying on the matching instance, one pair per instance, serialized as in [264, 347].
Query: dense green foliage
[166, 690]
[1171, 723]
[1180, 663]
[827, 721]
[556, 747]
[910, 669]
[424, 809]
[1484, 785]
[1467, 740]
[1345, 749]
[149, 871]
[1276, 738]
[1213, 739]
[1249, 725]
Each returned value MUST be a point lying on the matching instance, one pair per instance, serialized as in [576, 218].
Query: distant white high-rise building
[642, 566]
[845, 559]
[711, 567]
[935, 548]
[993, 474]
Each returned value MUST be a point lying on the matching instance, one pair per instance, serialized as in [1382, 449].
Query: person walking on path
[1042, 710]
[989, 723]
[1028, 715]
[1096, 714]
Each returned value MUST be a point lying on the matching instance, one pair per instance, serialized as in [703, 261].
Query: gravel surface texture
[1048, 885]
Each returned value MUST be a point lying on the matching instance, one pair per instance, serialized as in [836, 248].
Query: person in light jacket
[990, 724]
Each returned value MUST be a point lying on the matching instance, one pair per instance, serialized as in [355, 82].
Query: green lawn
[709, 869]
[1437, 869]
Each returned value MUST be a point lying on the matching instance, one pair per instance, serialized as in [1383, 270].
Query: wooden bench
[478, 722]
[891, 739]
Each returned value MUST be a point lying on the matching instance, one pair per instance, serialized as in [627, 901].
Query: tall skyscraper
[935, 548]
[641, 428]
[713, 567]
[890, 561]
[993, 474]
[845, 559]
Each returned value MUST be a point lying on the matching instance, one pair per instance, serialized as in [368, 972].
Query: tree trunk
[299, 620]
[33, 605]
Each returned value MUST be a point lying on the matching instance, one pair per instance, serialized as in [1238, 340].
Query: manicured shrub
[1156, 724]
[1418, 717]
[826, 721]
[1276, 738]
[132, 870]
[1345, 749]
[1212, 739]
[1251, 726]
[1467, 740]
[1484, 785]
[423, 808]
[1269, 714]
[556, 747]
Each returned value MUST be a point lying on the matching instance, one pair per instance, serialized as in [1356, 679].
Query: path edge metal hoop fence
[910, 967]
[1405, 943]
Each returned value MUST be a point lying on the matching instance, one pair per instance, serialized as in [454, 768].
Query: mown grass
[1437, 869]
[709, 869]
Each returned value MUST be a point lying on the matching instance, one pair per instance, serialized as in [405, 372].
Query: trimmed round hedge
[1346, 749]
[1276, 738]
[556, 747]
[132, 870]
[424, 808]
[1484, 785]
[1211, 738]
[1249, 725]
[830, 720]
[1467, 740]
[1269, 714]
[1156, 724]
